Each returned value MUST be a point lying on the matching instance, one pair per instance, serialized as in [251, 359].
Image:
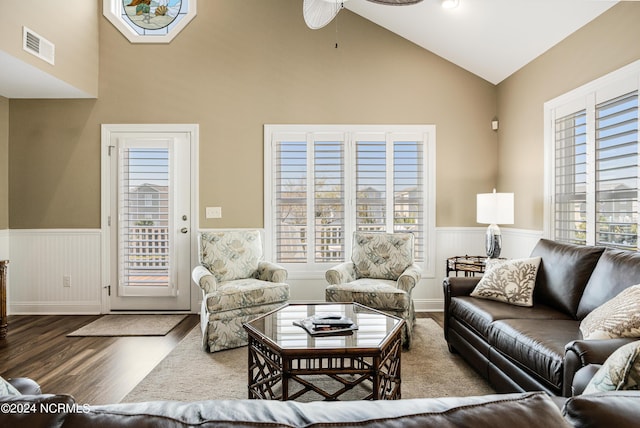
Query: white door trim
[106, 131]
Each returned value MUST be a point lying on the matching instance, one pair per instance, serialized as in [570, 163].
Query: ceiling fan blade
[318, 13]
[396, 2]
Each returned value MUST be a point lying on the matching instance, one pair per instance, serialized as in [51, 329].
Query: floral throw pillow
[621, 371]
[619, 317]
[509, 281]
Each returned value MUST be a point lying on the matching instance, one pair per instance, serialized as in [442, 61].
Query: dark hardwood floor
[95, 370]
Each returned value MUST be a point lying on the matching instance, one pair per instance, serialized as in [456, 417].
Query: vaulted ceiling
[490, 38]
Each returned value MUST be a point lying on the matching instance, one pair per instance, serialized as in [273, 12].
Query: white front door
[150, 219]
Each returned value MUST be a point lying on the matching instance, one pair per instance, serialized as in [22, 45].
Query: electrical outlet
[66, 281]
[213, 212]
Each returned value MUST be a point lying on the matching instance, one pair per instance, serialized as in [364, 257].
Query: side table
[470, 265]
[3, 298]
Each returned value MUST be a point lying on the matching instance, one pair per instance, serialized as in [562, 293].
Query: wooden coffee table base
[374, 374]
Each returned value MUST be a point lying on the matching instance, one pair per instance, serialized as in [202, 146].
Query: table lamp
[493, 209]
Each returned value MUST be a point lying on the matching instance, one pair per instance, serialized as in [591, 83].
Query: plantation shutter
[144, 239]
[571, 178]
[616, 167]
[291, 200]
[328, 199]
[408, 189]
[390, 185]
[371, 184]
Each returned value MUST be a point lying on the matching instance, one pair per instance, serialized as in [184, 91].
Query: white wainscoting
[39, 261]
[450, 241]
[4, 244]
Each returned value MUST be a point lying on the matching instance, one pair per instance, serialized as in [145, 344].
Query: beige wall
[237, 66]
[71, 25]
[604, 45]
[4, 163]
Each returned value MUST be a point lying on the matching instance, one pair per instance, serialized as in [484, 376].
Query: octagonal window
[149, 21]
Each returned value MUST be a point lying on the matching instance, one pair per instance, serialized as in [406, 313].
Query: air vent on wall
[38, 45]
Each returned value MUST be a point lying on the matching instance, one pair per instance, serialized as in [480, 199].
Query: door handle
[184, 230]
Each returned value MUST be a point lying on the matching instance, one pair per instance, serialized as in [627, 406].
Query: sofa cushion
[619, 317]
[531, 409]
[619, 409]
[245, 293]
[563, 273]
[382, 255]
[621, 371]
[538, 346]
[479, 313]
[376, 293]
[509, 281]
[615, 271]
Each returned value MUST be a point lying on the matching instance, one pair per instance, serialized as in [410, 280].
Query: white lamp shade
[494, 208]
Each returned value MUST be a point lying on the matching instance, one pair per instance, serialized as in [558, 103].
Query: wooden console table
[3, 298]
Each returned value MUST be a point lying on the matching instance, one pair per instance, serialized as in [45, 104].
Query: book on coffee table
[327, 324]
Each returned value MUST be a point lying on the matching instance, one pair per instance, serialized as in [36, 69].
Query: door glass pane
[144, 240]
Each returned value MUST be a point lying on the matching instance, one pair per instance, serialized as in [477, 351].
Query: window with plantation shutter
[323, 182]
[593, 172]
[616, 171]
[571, 178]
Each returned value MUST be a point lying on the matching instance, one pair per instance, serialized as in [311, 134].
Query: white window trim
[582, 96]
[318, 271]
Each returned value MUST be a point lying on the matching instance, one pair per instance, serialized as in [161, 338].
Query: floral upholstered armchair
[381, 275]
[237, 286]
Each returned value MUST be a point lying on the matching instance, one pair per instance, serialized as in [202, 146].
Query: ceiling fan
[318, 13]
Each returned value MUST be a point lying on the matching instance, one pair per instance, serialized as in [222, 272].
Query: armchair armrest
[580, 353]
[268, 271]
[409, 278]
[204, 278]
[340, 274]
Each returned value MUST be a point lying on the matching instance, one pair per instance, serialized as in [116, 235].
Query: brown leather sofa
[532, 409]
[540, 348]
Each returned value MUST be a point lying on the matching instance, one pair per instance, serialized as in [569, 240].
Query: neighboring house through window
[592, 167]
[323, 182]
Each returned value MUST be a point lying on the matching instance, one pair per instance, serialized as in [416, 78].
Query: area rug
[130, 325]
[190, 374]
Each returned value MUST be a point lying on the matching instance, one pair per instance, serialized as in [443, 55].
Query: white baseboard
[56, 308]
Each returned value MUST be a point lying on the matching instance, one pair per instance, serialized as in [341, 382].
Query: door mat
[130, 325]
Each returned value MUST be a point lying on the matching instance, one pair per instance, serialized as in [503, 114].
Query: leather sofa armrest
[460, 286]
[269, 271]
[583, 377]
[456, 286]
[580, 353]
[25, 386]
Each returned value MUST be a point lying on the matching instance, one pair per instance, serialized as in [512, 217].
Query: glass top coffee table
[287, 363]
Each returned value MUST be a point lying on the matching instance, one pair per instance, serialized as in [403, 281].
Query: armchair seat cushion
[376, 293]
[243, 293]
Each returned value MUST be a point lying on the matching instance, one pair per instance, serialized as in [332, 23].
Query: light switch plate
[213, 212]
